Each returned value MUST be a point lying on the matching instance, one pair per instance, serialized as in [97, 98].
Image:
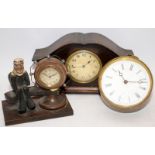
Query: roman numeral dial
[125, 82]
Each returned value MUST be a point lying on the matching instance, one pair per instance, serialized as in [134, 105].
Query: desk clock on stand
[50, 74]
[47, 95]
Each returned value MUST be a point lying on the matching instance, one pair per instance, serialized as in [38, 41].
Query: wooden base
[12, 117]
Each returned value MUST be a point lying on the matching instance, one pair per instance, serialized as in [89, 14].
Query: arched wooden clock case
[104, 48]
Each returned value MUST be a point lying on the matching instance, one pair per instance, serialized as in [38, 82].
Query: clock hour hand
[77, 66]
[45, 74]
[121, 75]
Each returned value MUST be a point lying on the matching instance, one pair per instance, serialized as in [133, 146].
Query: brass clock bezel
[122, 108]
[50, 63]
[81, 51]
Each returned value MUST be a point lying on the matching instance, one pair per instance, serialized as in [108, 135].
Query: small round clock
[125, 84]
[83, 66]
[50, 73]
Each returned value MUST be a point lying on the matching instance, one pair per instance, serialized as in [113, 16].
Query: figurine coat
[20, 87]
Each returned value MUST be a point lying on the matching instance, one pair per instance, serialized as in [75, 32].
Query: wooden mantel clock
[84, 55]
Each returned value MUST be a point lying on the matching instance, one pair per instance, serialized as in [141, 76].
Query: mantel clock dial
[83, 66]
[125, 84]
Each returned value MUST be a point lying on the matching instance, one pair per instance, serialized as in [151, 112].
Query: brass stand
[53, 102]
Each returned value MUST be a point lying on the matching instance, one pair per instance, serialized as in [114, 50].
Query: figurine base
[12, 117]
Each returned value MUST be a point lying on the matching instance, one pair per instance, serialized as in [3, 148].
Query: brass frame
[81, 51]
[122, 108]
[53, 63]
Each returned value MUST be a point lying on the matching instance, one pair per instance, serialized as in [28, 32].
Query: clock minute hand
[83, 66]
[139, 82]
[88, 62]
[133, 81]
[52, 75]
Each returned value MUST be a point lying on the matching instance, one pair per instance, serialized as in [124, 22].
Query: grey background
[89, 110]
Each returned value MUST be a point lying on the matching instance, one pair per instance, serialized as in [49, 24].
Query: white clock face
[126, 82]
[50, 76]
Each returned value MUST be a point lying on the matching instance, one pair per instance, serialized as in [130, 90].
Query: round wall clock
[125, 84]
[83, 66]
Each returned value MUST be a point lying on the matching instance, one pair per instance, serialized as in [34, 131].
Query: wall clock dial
[125, 83]
[83, 66]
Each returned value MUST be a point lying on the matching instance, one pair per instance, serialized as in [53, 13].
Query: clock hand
[45, 74]
[83, 66]
[139, 82]
[52, 75]
[88, 62]
[121, 75]
[76, 66]
[142, 81]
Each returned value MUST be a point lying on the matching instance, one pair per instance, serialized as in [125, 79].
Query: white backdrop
[89, 110]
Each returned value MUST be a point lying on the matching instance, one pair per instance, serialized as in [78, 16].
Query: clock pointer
[83, 66]
[45, 74]
[139, 82]
[52, 75]
[121, 75]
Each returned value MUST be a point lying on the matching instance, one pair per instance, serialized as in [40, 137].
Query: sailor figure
[19, 81]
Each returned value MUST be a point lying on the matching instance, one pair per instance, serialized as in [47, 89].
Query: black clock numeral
[112, 93]
[83, 77]
[73, 71]
[131, 67]
[74, 60]
[119, 98]
[143, 88]
[114, 70]
[108, 85]
[83, 54]
[129, 99]
[109, 77]
[137, 95]
[94, 72]
[138, 72]
[122, 66]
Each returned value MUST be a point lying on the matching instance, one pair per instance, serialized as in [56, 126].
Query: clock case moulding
[68, 44]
